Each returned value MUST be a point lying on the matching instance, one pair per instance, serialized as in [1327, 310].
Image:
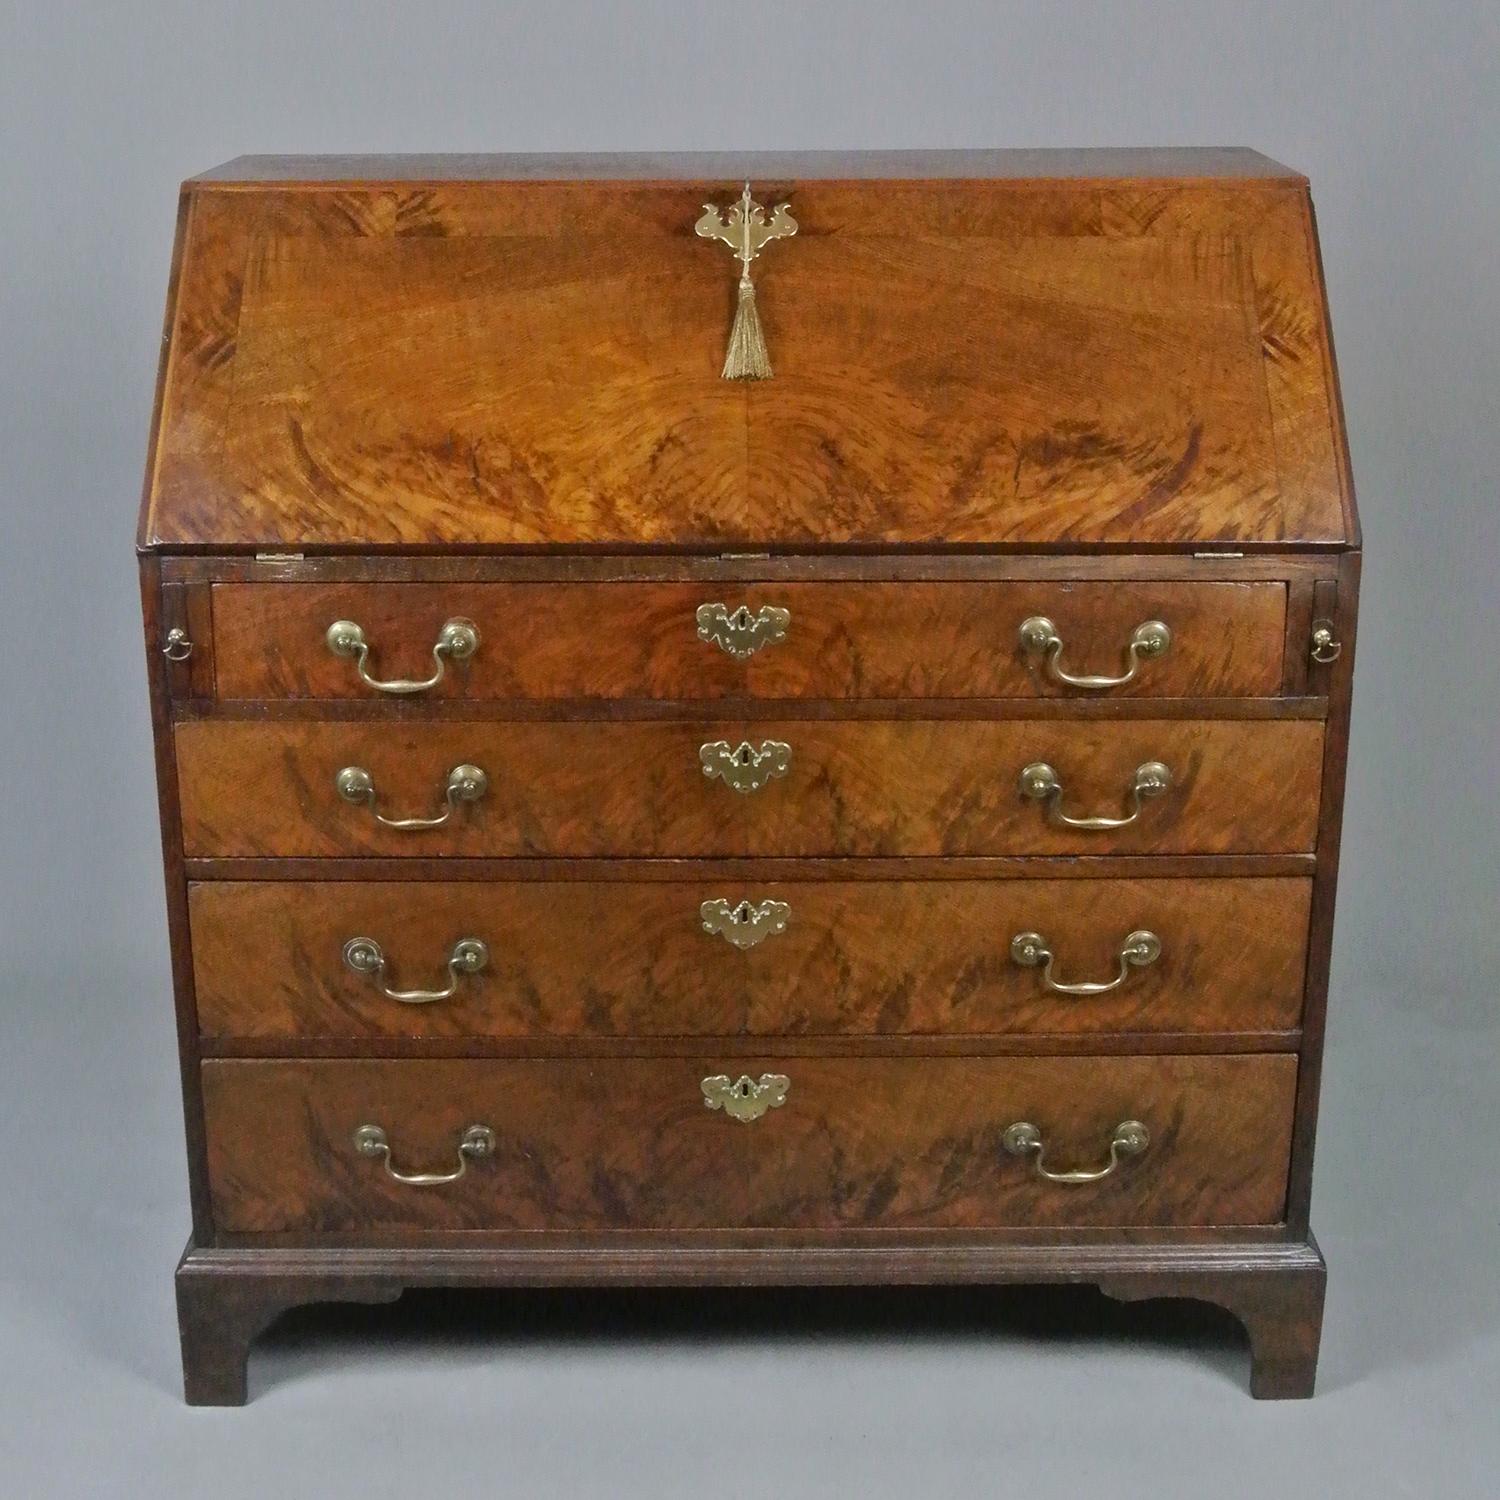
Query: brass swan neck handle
[1139, 950]
[1039, 637]
[365, 956]
[1130, 1138]
[465, 783]
[458, 640]
[1041, 783]
[476, 1142]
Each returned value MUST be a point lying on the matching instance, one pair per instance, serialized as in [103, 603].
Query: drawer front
[731, 957]
[818, 640]
[869, 787]
[590, 1145]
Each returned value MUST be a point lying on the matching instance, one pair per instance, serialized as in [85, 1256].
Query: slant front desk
[749, 719]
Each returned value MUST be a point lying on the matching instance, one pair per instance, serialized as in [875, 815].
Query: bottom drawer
[590, 1145]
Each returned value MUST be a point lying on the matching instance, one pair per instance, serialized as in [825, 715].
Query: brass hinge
[278, 557]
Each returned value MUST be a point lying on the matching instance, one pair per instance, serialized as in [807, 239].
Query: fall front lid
[1127, 349]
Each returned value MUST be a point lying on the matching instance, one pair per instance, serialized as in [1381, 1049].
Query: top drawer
[760, 640]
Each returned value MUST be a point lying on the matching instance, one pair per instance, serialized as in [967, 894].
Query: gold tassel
[747, 358]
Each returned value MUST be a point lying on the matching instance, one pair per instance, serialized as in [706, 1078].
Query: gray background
[1394, 111]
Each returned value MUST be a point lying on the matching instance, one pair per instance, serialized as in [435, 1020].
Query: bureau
[749, 719]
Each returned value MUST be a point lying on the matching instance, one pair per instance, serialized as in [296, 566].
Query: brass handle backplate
[745, 768]
[747, 924]
[1148, 640]
[477, 1141]
[1138, 951]
[740, 633]
[1130, 1138]
[465, 784]
[745, 1098]
[458, 640]
[366, 956]
[1041, 783]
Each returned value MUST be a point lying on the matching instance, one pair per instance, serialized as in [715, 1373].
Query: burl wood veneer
[1050, 471]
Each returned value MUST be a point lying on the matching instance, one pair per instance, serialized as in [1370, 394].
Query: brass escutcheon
[738, 632]
[745, 1099]
[745, 768]
[744, 925]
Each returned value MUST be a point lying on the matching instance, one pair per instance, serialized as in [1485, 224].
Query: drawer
[592, 1145]
[729, 957]
[867, 787]
[794, 640]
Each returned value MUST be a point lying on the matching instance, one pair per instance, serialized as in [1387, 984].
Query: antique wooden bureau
[749, 719]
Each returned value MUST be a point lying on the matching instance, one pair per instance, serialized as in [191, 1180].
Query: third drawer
[722, 957]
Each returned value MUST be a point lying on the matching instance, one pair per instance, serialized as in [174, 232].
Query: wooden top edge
[1226, 164]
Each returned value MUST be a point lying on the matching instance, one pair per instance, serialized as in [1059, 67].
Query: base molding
[227, 1297]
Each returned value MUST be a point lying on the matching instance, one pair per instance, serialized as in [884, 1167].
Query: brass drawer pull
[1138, 951]
[366, 956]
[476, 1141]
[1148, 640]
[1326, 647]
[1040, 782]
[738, 632]
[1129, 1139]
[746, 769]
[745, 1099]
[458, 640]
[465, 784]
[744, 925]
[177, 646]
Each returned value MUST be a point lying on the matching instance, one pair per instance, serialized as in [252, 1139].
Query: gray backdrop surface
[1393, 109]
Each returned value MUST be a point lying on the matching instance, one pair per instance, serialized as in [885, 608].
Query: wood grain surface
[867, 788]
[860, 1143]
[844, 640]
[623, 959]
[971, 363]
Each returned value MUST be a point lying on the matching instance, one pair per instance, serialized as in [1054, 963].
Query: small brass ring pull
[177, 646]
[465, 784]
[745, 768]
[477, 1141]
[1138, 951]
[1041, 783]
[458, 640]
[744, 925]
[1147, 641]
[1326, 647]
[366, 956]
[739, 633]
[1130, 1138]
[746, 1099]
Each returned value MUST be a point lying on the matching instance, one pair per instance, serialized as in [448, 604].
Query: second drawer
[731, 957]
